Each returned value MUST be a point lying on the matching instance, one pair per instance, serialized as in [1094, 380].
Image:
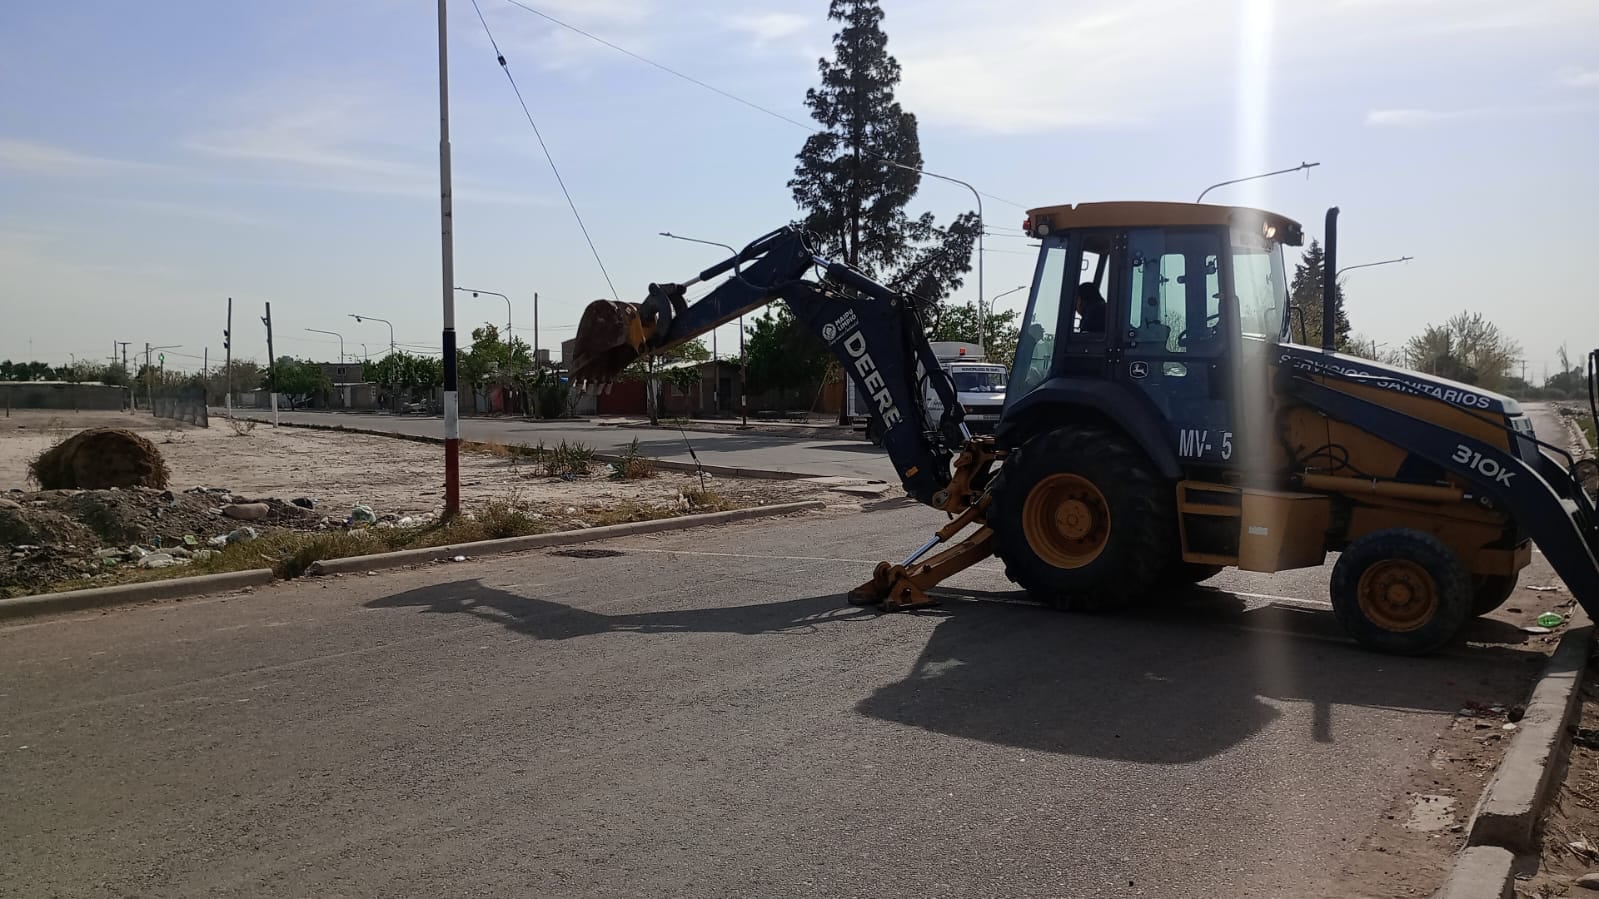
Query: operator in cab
[1090, 309]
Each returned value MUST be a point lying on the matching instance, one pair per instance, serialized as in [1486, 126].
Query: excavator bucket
[610, 335]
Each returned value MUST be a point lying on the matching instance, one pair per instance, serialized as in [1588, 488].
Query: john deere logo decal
[1139, 370]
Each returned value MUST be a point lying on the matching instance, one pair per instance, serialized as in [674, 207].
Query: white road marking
[1319, 603]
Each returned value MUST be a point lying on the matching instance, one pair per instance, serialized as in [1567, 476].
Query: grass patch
[290, 554]
[564, 459]
[708, 501]
[627, 513]
[632, 464]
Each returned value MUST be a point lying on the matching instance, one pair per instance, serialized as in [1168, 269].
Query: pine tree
[1305, 293]
[853, 200]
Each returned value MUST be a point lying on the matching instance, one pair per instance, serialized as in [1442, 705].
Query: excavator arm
[875, 332]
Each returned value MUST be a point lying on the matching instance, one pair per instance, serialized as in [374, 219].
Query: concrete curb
[403, 557]
[721, 471]
[1507, 814]
[95, 597]
[199, 585]
[792, 432]
[1482, 872]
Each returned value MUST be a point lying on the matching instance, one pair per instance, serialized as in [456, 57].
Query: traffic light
[225, 337]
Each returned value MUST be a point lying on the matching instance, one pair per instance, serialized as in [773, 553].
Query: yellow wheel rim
[1066, 520]
[1398, 595]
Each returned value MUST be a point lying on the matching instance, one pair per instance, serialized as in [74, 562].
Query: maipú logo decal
[842, 325]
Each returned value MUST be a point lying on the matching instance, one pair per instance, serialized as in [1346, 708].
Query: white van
[979, 384]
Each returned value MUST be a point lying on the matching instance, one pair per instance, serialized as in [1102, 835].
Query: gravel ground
[53, 536]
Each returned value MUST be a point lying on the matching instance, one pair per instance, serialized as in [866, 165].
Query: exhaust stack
[1329, 284]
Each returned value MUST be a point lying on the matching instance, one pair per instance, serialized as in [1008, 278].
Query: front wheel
[1401, 591]
[1081, 520]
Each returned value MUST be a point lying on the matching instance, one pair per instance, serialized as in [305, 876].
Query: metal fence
[184, 404]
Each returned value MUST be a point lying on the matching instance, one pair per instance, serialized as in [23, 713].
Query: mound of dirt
[99, 458]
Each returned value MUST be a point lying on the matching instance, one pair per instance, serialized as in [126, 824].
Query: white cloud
[529, 39]
[334, 138]
[1403, 118]
[769, 26]
[1580, 77]
[1416, 118]
[45, 159]
[1021, 67]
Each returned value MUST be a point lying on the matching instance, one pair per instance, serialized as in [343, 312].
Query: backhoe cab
[1159, 426]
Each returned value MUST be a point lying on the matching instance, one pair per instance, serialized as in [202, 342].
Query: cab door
[1172, 339]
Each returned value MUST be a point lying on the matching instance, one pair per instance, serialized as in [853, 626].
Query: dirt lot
[399, 480]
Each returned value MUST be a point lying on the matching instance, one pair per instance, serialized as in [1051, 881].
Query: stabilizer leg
[905, 586]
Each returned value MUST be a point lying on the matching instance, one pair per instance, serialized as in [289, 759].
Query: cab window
[1175, 297]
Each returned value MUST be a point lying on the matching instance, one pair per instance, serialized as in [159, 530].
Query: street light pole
[1303, 166]
[1371, 264]
[362, 318]
[335, 334]
[982, 323]
[743, 362]
[475, 292]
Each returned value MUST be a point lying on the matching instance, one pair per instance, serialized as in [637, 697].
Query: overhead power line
[716, 90]
[545, 147]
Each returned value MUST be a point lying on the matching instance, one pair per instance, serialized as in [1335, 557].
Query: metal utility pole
[272, 366]
[125, 375]
[452, 397]
[227, 349]
[744, 379]
[535, 328]
[1302, 167]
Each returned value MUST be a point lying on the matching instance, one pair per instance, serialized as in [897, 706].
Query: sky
[159, 158]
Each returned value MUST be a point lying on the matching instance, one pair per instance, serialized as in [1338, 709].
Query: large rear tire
[1081, 520]
[1401, 591]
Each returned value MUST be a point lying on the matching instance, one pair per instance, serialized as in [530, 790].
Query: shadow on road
[1172, 682]
[548, 620]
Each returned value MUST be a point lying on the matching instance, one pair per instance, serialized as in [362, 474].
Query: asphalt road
[842, 457]
[699, 714]
[850, 458]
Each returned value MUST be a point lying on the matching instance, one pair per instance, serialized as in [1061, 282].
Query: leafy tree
[491, 360]
[1368, 348]
[1305, 292]
[403, 376]
[1467, 348]
[781, 354]
[26, 371]
[668, 369]
[1570, 382]
[1001, 330]
[853, 199]
[245, 374]
[113, 374]
[298, 381]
